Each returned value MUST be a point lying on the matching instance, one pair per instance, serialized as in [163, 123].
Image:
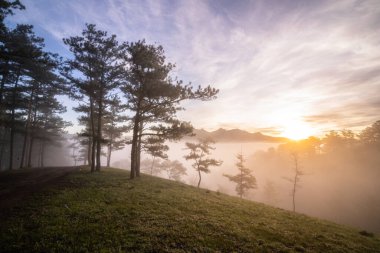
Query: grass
[107, 212]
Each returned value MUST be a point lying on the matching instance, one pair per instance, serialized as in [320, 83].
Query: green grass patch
[107, 212]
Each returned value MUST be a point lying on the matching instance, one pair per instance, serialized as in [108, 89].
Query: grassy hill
[107, 212]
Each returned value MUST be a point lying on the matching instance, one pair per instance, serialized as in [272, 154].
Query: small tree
[113, 129]
[150, 166]
[297, 176]
[174, 169]
[156, 147]
[199, 154]
[76, 148]
[244, 179]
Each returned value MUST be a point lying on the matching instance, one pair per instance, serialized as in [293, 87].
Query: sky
[283, 67]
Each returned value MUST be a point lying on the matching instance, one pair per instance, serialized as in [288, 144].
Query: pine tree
[199, 154]
[6, 9]
[97, 57]
[244, 179]
[28, 72]
[153, 97]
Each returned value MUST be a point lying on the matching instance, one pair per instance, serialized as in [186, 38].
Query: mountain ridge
[236, 135]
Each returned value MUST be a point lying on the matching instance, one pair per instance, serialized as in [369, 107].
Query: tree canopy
[154, 98]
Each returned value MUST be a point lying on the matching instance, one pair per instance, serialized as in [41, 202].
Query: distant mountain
[236, 135]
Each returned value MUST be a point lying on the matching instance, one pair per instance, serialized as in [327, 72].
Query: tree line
[30, 84]
[199, 154]
[120, 87]
[353, 153]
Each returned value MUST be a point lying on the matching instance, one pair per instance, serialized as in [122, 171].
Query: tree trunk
[99, 139]
[109, 155]
[295, 157]
[42, 154]
[89, 144]
[138, 159]
[109, 150]
[93, 149]
[200, 178]
[3, 132]
[241, 181]
[13, 123]
[24, 149]
[133, 153]
[39, 156]
[93, 135]
[3, 81]
[27, 126]
[294, 194]
[151, 168]
[134, 147]
[30, 152]
[132, 173]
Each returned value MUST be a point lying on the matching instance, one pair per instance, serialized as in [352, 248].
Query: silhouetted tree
[29, 82]
[43, 109]
[244, 179]
[371, 135]
[332, 141]
[97, 57]
[297, 175]
[7, 8]
[199, 154]
[154, 97]
[19, 51]
[86, 133]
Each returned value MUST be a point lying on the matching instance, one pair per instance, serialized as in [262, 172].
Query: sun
[297, 131]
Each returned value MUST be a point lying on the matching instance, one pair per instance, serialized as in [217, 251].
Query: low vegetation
[107, 212]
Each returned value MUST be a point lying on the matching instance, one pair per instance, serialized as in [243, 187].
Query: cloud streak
[273, 61]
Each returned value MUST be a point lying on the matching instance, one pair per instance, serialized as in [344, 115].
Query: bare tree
[297, 176]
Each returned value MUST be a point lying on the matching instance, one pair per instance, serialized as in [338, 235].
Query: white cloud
[270, 59]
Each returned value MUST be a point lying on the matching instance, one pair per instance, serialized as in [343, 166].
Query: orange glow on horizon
[298, 131]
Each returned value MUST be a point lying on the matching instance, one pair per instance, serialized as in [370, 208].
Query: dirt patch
[19, 184]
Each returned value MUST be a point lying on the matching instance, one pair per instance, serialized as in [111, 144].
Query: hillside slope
[107, 212]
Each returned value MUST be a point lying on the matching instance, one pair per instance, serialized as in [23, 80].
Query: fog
[341, 186]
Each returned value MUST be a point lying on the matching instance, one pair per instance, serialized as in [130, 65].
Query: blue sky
[282, 66]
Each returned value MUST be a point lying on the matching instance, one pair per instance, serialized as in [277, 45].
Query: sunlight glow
[297, 131]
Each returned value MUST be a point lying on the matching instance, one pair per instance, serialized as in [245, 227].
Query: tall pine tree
[95, 71]
[153, 97]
